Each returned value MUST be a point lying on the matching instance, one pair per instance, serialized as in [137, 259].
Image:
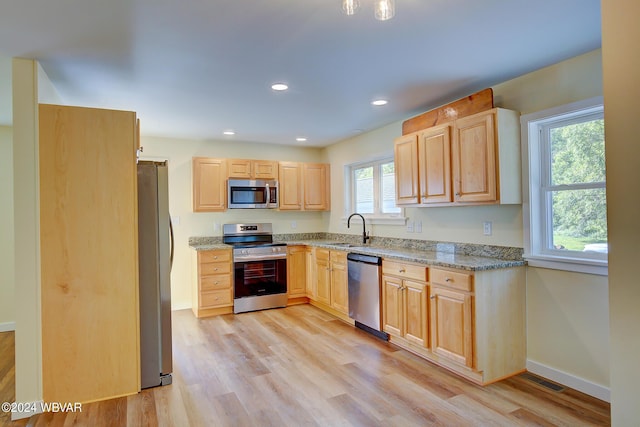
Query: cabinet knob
[215, 257]
[215, 269]
[402, 270]
[448, 279]
[432, 297]
[457, 194]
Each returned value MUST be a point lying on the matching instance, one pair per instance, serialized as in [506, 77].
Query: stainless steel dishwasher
[364, 293]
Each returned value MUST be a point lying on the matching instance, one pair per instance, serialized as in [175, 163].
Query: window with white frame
[371, 190]
[565, 215]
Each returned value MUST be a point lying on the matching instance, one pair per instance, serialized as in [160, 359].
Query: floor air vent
[543, 382]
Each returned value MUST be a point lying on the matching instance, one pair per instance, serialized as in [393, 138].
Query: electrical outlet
[294, 224]
[175, 220]
[216, 227]
[487, 228]
[418, 227]
[409, 226]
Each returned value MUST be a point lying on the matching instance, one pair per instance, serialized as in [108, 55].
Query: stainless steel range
[260, 267]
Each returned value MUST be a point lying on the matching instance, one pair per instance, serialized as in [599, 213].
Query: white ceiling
[193, 69]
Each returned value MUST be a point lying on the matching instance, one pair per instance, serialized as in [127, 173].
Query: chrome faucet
[365, 235]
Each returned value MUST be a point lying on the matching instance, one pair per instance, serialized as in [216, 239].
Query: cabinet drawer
[215, 298]
[452, 279]
[214, 256]
[408, 271]
[215, 282]
[339, 257]
[322, 254]
[207, 269]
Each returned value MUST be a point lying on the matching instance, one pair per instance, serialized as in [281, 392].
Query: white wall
[188, 224]
[621, 66]
[7, 304]
[576, 303]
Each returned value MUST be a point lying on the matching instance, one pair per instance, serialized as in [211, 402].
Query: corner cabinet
[472, 160]
[297, 274]
[304, 186]
[209, 184]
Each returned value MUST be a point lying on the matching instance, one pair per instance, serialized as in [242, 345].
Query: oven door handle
[259, 258]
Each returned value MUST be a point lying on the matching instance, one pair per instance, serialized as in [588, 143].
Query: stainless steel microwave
[252, 194]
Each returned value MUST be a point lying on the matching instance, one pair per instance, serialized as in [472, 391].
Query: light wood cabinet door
[339, 282]
[89, 253]
[434, 163]
[209, 184]
[316, 186]
[415, 312]
[252, 169]
[451, 325]
[406, 167]
[474, 159]
[311, 274]
[392, 321]
[323, 276]
[265, 169]
[297, 271]
[290, 186]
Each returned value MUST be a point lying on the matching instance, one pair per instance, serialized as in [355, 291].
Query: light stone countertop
[427, 257]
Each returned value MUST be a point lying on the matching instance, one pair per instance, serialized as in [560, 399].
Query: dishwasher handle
[367, 259]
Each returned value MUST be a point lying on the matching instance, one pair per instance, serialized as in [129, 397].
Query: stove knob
[274, 249]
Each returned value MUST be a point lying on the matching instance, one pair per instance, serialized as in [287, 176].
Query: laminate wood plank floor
[300, 366]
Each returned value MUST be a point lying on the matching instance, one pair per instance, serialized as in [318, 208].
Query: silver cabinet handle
[402, 270]
[432, 297]
[447, 279]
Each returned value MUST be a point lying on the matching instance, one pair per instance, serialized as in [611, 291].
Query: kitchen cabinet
[304, 186]
[297, 273]
[209, 184]
[331, 281]
[404, 302]
[451, 316]
[472, 160]
[252, 169]
[315, 177]
[213, 288]
[89, 253]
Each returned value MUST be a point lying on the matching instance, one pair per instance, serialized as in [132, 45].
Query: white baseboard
[7, 326]
[592, 389]
[26, 410]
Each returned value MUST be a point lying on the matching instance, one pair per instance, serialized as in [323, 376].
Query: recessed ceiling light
[279, 87]
[379, 102]
[229, 132]
[301, 139]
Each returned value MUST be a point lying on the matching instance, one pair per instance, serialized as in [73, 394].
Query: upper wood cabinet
[209, 184]
[304, 186]
[252, 169]
[315, 177]
[472, 160]
[290, 184]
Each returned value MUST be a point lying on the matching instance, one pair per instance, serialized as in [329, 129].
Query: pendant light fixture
[383, 9]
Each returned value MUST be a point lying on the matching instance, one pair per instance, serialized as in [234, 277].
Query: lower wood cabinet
[330, 284]
[472, 323]
[297, 274]
[404, 301]
[213, 289]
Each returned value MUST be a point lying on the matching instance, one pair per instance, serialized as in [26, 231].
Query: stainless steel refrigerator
[155, 249]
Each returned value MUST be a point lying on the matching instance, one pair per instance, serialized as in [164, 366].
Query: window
[565, 218]
[372, 191]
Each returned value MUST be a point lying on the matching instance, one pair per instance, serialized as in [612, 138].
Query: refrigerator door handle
[172, 245]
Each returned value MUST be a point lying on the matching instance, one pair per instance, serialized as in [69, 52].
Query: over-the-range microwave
[252, 194]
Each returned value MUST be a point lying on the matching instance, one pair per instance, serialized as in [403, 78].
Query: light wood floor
[299, 366]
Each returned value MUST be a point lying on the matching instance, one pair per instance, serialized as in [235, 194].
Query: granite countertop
[434, 258]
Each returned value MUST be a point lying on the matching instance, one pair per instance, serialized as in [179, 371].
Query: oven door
[261, 277]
